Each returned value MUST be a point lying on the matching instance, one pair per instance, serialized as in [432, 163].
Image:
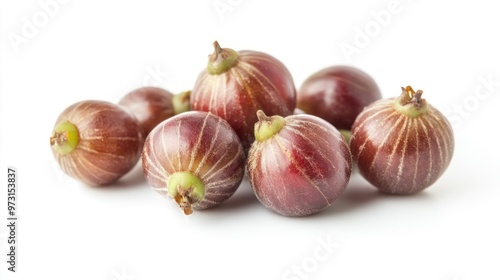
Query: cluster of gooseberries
[244, 113]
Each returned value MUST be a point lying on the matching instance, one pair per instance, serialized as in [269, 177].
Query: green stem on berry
[410, 102]
[346, 134]
[65, 138]
[180, 102]
[221, 60]
[267, 127]
[187, 190]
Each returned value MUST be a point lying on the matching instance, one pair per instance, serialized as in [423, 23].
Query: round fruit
[402, 145]
[195, 158]
[298, 165]
[337, 94]
[152, 105]
[237, 84]
[96, 142]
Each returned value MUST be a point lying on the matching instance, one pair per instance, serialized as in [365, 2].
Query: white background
[104, 49]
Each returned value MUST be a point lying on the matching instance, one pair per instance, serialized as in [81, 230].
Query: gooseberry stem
[410, 102]
[180, 102]
[217, 48]
[65, 138]
[221, 60]
[186, 189]
[267, 127]
[346, 134]
[58, 138]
